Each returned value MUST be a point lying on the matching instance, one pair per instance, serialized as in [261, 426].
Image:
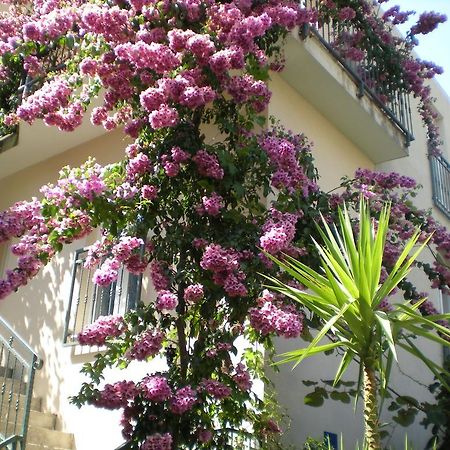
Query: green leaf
[315, 399]
[405, 417]
[310, 383]
[340, 396]
[385, 324]
[296, 355]
[406, 400]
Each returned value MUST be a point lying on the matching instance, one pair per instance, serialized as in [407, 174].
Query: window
[87, 301]
[440, 175]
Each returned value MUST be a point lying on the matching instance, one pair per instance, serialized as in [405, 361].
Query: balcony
[440, 177]
[373, 110]
[87, 301]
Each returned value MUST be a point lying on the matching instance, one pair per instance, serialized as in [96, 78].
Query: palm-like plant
[347, 296]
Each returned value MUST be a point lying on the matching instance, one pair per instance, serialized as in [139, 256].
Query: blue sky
[434, 46]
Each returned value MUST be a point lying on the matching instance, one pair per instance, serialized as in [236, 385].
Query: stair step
[9, 400]
[37, 419]
[44, 447]
[9, 384]
[51, 438]
[42, 419]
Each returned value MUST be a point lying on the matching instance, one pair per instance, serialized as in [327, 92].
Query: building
[317, 94]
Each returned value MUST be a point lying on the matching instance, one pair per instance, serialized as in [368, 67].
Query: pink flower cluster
[107, 272]
[279, 232]
[103, 328]
[224, 263]
[242, 378]
[385, 180]
[193, 293]
[158, 442]
[211, 205]
[147, 344]
[137, 165]
[48, 100]
[427, 22]
[166, 301]
[116, 395]
[245, 89]
[149, 192]
[215, 389]
[183, 400]
[204, 436]
[283, 154]
[19, 218]
[208, 165]
[156, 388]
[172, 163]
[158, 275]
[269, 318]
[124, 249]
[110, 22]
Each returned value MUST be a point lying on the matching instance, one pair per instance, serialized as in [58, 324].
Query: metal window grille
[238, 441]
[385, 91]
[88, 301]
[440, 176]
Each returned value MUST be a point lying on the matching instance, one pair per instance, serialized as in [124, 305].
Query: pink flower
[279, 232]
[158, 442]
[158, 275]
[216, 389]
[149, 192]
[183, 400]
[156, 388]
[147, 344]
[178, 155]
[107, 273]
[116, 395]
[269, 318]
[208, 165]
[204, 436]
[164, 116]
[242, 378]
[213, 204]
[103, 328]
[347, 13]
[166, 301]
[172, 169]
[193, 293]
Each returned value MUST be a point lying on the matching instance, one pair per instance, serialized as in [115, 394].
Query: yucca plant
[347, 295]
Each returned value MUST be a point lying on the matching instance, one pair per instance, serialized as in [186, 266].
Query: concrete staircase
[42, 434]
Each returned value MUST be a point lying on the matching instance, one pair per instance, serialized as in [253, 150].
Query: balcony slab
[313, 72]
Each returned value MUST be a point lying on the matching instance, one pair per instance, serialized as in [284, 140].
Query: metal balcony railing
[368, 73]
[440, 177]
[88, 301]
[18, 363]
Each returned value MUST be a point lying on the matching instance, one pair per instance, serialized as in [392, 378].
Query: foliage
[436, 415]
[347, 295]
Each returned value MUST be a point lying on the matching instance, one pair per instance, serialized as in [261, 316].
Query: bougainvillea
[191, 214]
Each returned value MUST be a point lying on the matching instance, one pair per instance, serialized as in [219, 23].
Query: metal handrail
[396, 105]
[18, 364]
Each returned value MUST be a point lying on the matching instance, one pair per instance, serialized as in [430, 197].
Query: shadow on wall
[37, 313]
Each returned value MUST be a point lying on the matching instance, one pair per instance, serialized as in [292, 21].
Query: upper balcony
[364, 102]
[367, 105]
